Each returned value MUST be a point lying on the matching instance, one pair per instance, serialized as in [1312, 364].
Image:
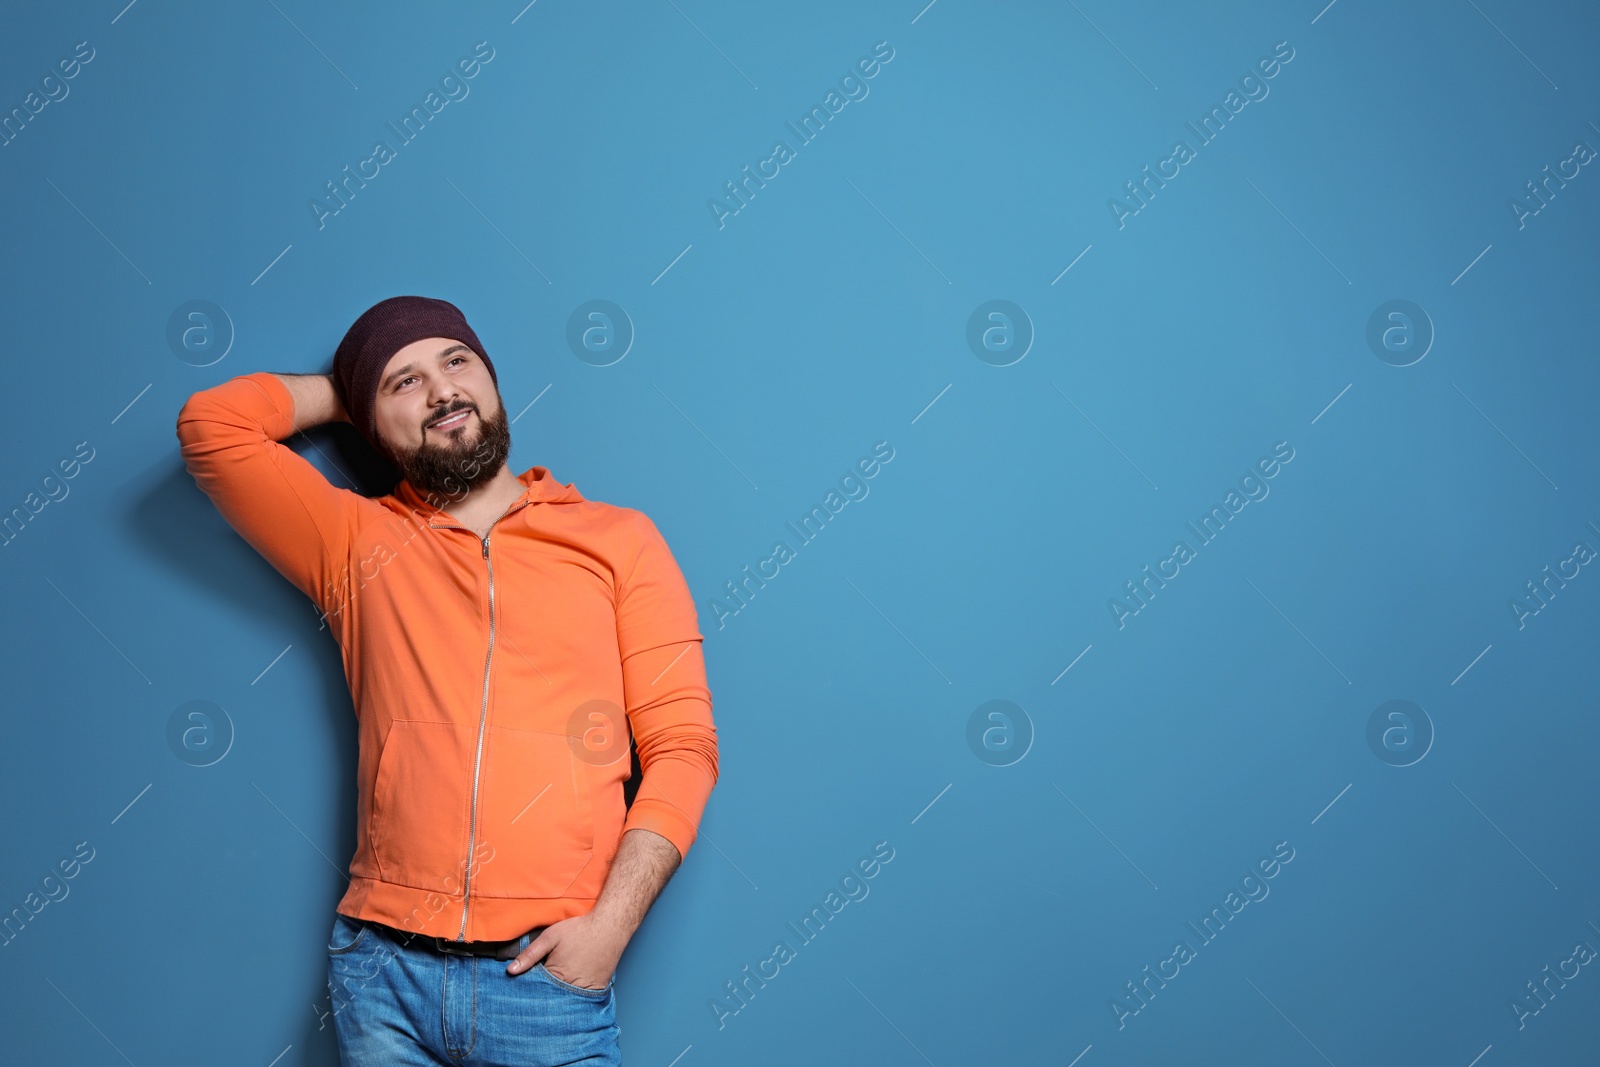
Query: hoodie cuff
[660, 817]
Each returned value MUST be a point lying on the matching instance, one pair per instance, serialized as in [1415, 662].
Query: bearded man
[503, 637]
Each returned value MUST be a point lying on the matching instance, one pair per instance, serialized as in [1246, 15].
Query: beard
[457, 463]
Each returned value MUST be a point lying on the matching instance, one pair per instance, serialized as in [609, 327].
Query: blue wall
[1428, 860]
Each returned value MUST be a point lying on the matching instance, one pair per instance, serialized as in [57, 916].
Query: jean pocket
[347, 934]
[594, 994]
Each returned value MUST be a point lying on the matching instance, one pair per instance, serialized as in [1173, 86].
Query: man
[501, 634]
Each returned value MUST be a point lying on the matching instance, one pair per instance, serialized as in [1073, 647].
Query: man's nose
[443, 392]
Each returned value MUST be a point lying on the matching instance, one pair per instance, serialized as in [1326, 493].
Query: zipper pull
[485, 548]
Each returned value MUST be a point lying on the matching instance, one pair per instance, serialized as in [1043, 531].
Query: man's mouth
[451, 421]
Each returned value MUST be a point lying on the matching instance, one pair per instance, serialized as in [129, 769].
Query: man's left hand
[578, 951]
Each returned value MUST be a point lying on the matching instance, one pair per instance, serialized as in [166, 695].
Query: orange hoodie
[489, 677]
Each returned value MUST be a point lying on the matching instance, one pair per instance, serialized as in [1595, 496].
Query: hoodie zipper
[483, 713]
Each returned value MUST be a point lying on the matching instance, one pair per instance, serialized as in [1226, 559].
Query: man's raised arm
[229, 437]
[316, 401]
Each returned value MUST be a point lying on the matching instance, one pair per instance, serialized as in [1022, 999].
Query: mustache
[446, 414]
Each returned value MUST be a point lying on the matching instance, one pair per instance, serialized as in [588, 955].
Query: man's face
[440, 380]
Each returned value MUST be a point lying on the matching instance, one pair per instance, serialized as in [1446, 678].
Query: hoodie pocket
[418, 827]
[535, 816]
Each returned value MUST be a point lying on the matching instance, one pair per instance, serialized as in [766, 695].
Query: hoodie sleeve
[273, 497]
[664, 684]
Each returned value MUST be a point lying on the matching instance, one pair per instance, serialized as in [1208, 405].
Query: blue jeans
[408, 1006]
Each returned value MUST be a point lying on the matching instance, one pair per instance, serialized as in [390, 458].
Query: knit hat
[374, 338]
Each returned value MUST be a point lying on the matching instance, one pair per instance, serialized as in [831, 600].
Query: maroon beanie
[374, 338]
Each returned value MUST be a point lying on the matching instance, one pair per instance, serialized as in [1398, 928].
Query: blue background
[1229, 314]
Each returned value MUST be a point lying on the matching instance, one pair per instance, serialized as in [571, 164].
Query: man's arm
[645, 861]
[643, 864]
[316, 401]
[230, 439]
[664, 686]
